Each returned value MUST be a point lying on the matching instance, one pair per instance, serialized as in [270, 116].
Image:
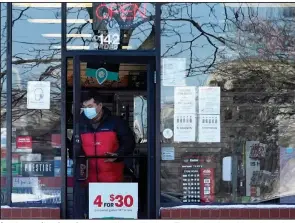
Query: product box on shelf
[56, 141]
[15, 163]
[3, 138]
[24, 144]
[69, 167]
[31, 157]
[57, 166]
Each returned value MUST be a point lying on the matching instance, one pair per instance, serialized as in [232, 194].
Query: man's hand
[111, 159]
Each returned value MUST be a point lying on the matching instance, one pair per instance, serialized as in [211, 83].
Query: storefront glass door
[108, 99]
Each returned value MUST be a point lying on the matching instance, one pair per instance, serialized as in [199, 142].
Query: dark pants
[81, 205]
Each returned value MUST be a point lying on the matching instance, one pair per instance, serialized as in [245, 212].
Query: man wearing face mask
[103, 134]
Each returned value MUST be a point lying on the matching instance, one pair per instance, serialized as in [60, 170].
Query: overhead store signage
[123, 13]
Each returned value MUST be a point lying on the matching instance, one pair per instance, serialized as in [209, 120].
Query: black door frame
[154, 111]
[122, 57]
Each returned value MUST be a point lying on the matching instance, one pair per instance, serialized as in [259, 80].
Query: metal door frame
[154, 108]
[153, 105]
[123, 57]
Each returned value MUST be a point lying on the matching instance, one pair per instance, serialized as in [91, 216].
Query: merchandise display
[57, 165]
[15, 164]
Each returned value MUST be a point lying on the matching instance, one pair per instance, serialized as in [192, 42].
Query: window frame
[155, 130]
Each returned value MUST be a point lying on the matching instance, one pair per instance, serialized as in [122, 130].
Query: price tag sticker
[113, 200]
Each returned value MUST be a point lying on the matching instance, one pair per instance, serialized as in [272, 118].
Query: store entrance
[109, 149]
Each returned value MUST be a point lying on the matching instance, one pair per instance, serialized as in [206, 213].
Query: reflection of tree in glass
[31, 60]
[249, 53]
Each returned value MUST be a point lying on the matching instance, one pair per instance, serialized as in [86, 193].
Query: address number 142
[110, 38]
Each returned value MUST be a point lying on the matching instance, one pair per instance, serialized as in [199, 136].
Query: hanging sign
[113, 200]
[102, 75]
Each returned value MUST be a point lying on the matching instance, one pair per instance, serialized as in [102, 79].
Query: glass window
[3, 32]
[227, 103]
[140, 118]
[36, 104]
[110, 26]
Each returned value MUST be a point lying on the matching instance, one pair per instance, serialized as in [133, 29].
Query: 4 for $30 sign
[113, 200]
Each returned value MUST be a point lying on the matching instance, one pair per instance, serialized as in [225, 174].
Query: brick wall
[30, 213]
[243, 213]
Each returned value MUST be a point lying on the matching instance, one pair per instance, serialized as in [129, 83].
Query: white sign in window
[38, 95]
[209, 100]
[113, 200]
[174, 71]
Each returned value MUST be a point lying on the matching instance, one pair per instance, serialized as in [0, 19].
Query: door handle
[86, 172]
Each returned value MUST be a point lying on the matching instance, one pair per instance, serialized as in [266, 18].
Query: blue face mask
[90, 113]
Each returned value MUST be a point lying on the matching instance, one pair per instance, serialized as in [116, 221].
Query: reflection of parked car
[170, 197]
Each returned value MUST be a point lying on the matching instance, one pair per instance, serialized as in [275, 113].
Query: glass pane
[140, 118]
[110, 26]
[227, 106]
[36, 106]
[3, 32]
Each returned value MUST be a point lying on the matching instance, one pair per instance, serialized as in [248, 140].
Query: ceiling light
[73, 47]
[261, 5]
[52, 21]
[52, 5]
[56, 35]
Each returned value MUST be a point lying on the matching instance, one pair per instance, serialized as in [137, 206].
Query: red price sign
[114, 200]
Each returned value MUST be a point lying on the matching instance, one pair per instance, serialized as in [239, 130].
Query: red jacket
[112, 135]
